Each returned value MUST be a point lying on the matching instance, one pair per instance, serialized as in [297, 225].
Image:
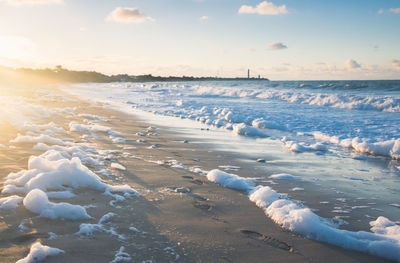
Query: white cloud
[32, 2]
[277, 46]
[264, 8]
[396, 64]
[391, 10]
[204, 18]
[394, 10]
[352, 64]
[127, 15]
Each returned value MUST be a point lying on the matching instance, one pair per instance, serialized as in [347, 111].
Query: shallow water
[350, 184]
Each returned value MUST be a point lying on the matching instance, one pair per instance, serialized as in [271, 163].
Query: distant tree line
[64, 75]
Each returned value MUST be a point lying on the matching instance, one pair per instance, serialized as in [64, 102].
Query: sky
[277, 39]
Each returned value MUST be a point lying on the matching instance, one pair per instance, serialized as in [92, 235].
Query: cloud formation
[127, 15]
[352, 64]
[391, 10]
[277, 46]
[31, 2]
[264, 8]
[394, 10]
[204, 18]
[396, 64]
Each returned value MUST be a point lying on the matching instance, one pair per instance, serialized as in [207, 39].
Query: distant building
[248, 73]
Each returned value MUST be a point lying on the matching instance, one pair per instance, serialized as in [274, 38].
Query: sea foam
[383, 241]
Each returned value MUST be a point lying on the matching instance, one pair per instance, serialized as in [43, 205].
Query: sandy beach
[199, 131]
[175, 213]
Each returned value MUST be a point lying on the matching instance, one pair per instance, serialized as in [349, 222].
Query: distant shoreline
[177, 79]
[60, 74]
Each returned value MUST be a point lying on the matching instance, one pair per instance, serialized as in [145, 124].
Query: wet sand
[180, 216]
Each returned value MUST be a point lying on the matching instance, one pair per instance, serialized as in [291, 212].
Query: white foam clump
[37, 202]
[121, 256]
[76, 127]
[87, 230]
[43, 138]
[390, 148]
[92, 117]
[283, 176]
[10, 202]
[230, 180]
[53, 170]
[49, 128]
[134, 229]
[85, 153]
[113, 135]
[173, 164]
[39, 252]
[384, 241]
[299, 147]
[243, 129]
[118, 166]
[263, 124]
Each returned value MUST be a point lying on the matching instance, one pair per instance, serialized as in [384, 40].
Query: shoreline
[205, 223]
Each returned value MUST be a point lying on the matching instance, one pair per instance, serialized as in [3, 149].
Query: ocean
[331, 146]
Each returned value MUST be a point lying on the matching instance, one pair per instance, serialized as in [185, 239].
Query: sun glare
[16, 48]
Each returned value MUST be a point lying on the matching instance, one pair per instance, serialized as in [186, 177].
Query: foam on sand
[230, 180]
[39, 252]
[118, 166]
[88, 230]
[92, 117]
[86, 153]
[76, 127]
[92, 128]
[53, 170]
[283, 177]
[37, 202]
[10, 202]
[50, 128]
[43, 138]
[383, 241]
[243, 129]
[121, 256]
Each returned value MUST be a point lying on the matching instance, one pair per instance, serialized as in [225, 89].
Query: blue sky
[279, 39]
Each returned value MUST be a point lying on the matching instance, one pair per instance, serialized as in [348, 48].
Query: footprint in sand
[268, 240]
[203, 205]
[198, 197]
[194, 181]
